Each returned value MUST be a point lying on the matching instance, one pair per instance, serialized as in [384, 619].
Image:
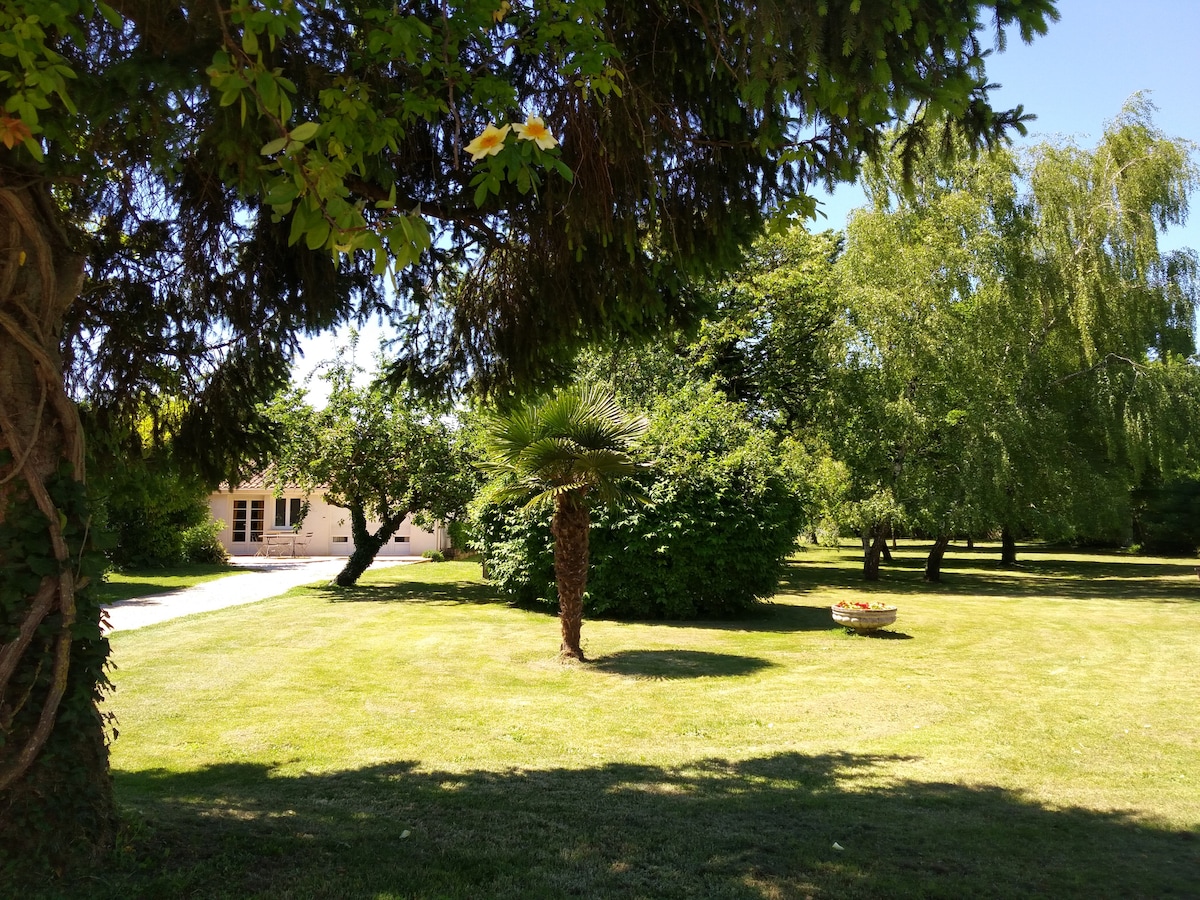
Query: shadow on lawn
[746, 830]
[131, 593]
[671, 664]
[1106, 578]
[411, 592]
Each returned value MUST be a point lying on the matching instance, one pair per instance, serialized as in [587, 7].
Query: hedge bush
[722, 518]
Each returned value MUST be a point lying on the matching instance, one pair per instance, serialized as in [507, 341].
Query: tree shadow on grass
[466, 592]
[135, 593]
[1105, 578]
[768, 617]
[672, 664]
[742, 830]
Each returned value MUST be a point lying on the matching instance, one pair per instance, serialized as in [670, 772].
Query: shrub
[434, 555]
[202, 543]
[722, 519]
[149, 509]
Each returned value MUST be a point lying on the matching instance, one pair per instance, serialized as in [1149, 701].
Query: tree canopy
[381, 455]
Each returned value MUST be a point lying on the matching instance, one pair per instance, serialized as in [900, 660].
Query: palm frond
[575, 441]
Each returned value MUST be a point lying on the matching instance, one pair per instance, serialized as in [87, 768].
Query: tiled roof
[258, 482]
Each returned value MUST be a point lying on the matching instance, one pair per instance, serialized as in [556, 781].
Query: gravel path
[264, 578]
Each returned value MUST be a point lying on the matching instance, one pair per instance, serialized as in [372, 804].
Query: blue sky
[1074, 79]
[1079, 74]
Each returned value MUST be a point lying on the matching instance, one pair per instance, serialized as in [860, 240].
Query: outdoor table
[281, 540]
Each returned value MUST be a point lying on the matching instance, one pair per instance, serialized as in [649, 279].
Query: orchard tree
[187, 188]
[381, 455]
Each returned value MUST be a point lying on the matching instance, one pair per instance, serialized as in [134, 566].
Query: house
[251, 509]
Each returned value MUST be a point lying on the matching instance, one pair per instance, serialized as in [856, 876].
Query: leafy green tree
[572, 450]
[188, 187]
[379, 454]
[1018, 333]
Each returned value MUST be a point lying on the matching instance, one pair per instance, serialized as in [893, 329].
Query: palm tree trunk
[570, 529]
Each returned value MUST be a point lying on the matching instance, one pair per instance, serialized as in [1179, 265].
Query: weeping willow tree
[1021, 344]
[187, 187]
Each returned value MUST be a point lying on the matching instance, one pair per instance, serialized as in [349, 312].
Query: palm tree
[572, 449]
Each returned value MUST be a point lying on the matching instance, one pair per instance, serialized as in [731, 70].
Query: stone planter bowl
[864, 620]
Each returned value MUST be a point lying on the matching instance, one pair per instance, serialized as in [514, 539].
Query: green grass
[1031, 732]
[133, 583]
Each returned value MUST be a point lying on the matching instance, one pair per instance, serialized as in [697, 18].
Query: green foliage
[722, 518]
[1167, 517]
[576, 441]
[379, 454]
[434, 555]
[202, 543]
[153, 513]
[52, 815]
[1015, 337]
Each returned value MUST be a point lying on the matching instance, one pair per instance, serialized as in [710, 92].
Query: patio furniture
[279, 542]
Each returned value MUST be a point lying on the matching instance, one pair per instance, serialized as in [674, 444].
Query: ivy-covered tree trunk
[1008, 547]
[56, 801]
[876, 541]
[366, 545]
[570, 526]
[933, 562]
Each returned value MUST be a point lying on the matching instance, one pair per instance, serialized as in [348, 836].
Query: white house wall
[328, 525]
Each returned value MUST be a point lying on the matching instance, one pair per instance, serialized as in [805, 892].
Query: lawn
[1031, 732]
[133, 583]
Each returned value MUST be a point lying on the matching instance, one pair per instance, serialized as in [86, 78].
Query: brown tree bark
[570, 526]
[366, 545]
[933, 562]
[56, 802]
[1008, 547]
[877, 541]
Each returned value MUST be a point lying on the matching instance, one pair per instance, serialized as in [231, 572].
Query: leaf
[317, 236]
[272, 147]
[305, 132]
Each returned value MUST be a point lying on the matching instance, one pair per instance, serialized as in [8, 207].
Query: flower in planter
[861, 604]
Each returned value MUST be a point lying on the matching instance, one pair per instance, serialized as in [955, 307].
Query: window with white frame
[289, 512]
[248, 518]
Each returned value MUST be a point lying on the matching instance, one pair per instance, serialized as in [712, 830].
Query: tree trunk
[933, 563]
[570, 527]
[970, 542]
[366, 545]
[1008, 547]
[887, 533]
[878, 540]
[56, 800]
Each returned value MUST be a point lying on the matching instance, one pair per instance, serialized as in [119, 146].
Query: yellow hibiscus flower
[489, 143]
[535, 130]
